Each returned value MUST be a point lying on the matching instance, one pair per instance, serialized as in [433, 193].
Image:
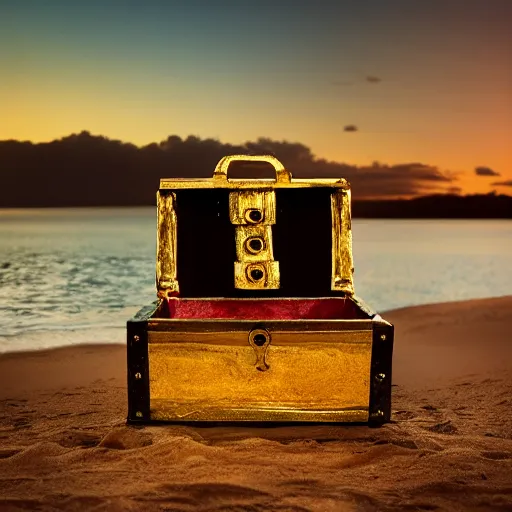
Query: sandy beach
[64, 444]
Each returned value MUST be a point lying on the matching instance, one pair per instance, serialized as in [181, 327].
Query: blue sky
[142, 70]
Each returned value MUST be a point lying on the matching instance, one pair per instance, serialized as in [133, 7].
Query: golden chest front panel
[322, 375]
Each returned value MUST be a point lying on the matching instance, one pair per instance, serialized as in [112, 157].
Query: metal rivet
[383, 337]
[380, 376]
[138, 414]
[138, 375]
[136, 338]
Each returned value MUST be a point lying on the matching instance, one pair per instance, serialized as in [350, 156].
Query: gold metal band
[166, 261]
[342, 261]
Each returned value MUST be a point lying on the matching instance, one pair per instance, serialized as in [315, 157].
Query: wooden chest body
[256, 318]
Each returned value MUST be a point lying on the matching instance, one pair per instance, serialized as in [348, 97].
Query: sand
[64, 444]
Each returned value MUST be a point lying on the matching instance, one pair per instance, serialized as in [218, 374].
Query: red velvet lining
[268, 309]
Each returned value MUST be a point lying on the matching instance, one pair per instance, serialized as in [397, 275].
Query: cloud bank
[95, 170]
[506, 183]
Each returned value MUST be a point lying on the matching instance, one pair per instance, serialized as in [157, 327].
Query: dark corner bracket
[380, 373]
[138, 365]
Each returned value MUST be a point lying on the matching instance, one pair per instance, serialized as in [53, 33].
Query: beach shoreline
[64, 442]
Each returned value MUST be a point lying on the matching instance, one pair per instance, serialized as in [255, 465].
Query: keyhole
[259, 340]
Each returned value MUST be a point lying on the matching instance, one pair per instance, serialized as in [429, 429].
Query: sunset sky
[422, 81]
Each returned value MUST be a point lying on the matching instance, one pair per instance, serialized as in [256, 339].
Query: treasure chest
[256, 318]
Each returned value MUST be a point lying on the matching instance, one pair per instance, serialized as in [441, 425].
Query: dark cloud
[350, 128]
[381, 180]
[372, 79]
[506, 183]
[377, 180]
[114, 173]
[485, 171]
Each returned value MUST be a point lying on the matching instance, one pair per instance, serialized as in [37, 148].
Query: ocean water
[76, 275]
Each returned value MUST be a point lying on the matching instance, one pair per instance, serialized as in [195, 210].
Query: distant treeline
[439, 206]
[86, 170]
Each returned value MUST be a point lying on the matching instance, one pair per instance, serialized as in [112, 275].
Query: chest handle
[221, 171]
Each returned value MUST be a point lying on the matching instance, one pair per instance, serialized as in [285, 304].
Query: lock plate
[253, 213]
[259, 339]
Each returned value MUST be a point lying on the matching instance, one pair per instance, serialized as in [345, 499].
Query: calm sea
[76, 275]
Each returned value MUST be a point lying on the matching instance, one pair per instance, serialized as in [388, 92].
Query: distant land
[439, 206]
[86, 170]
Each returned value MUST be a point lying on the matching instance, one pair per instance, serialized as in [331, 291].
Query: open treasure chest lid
[254, 238]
